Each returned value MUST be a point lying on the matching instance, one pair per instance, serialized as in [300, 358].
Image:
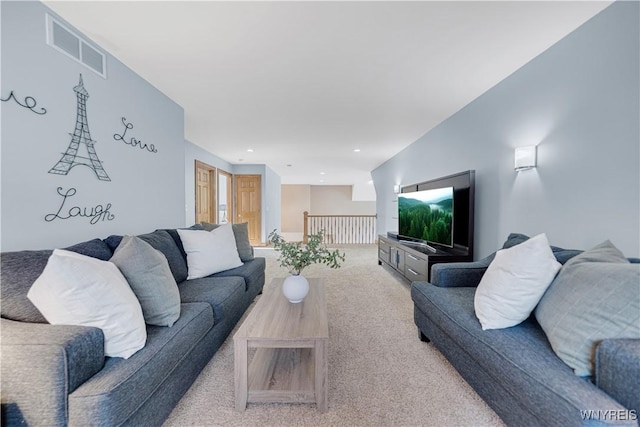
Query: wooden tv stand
[413, 261]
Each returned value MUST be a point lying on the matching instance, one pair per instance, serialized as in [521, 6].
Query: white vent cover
[66, 41]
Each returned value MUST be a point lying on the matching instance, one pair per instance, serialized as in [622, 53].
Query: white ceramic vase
[295, 288]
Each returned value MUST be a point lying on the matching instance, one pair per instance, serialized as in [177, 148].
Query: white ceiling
[304, 84]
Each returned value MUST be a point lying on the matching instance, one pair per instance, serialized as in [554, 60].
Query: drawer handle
[413, 272]
[413, 257]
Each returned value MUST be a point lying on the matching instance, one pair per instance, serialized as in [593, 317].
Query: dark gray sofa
[515, 369]
[59, 375]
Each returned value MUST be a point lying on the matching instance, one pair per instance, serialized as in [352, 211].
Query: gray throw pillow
[148, 273]
[241, 233]
[595, 296]
[162, 241]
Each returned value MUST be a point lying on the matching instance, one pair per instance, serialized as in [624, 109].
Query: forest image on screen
[427, 215]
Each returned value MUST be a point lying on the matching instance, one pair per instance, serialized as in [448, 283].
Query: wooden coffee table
[289, 363]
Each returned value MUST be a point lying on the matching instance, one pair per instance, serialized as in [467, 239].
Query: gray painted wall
[146, 190]
[273, 202]
[579, 102]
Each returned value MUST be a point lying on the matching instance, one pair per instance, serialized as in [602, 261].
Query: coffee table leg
[241, 366]
[321, 371]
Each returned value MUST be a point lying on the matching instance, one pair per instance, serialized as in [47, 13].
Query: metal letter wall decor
[133, 141]
[80, 152]
[96, 213]
[29, 103]
[80, 140]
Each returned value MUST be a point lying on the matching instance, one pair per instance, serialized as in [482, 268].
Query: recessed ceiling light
[321, 181]
[250, 150]
[356, 150]
[289, 165]
[322, 173]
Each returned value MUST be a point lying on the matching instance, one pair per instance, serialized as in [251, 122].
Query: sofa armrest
[41, 365]
[459, 274]
[618, 371]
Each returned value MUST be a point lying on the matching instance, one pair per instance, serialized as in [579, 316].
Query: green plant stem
[296, 256]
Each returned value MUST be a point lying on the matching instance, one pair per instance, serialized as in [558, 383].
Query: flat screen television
[426, 216]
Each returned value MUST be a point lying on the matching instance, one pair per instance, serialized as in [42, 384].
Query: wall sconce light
[525, 158]
[396, 189]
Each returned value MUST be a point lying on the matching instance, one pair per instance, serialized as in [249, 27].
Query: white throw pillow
[210, 252]
[76, 289]
[514, 283]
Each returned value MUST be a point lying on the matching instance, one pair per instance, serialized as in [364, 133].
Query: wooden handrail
[305, 229]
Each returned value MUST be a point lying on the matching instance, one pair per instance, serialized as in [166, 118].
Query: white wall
[363, 192]
[337, 200]
[146, 190]
[579, 102]
[318, 200]
[296, 200]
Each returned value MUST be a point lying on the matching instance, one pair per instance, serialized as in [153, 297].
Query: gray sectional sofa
[515, 369]
[59, 375]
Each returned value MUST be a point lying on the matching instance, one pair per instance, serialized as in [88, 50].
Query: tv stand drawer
[384, 252]
[412, 264]
[416, 268]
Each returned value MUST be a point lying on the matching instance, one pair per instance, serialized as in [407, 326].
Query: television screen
[427, 215]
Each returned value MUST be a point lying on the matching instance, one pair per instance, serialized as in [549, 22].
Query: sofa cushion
[596, 296]
[562, 255]
[224, 294]
[122, 386]
[241, 234]
[79, 290]
[150, 278]
[94, 248]
[519, 359]
[209, 252]
[162, 241]
[253, 273]
[81, 348]
[20, 269]
[514, 283]
[618, 371]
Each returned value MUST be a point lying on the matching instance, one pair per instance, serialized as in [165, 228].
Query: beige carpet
[380, 373]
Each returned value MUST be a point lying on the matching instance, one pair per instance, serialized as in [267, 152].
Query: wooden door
[248, 208]
[205, 193]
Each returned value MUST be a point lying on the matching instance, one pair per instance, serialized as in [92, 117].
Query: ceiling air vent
[66, 41]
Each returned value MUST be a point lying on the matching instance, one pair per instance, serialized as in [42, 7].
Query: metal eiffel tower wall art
[81, 149]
